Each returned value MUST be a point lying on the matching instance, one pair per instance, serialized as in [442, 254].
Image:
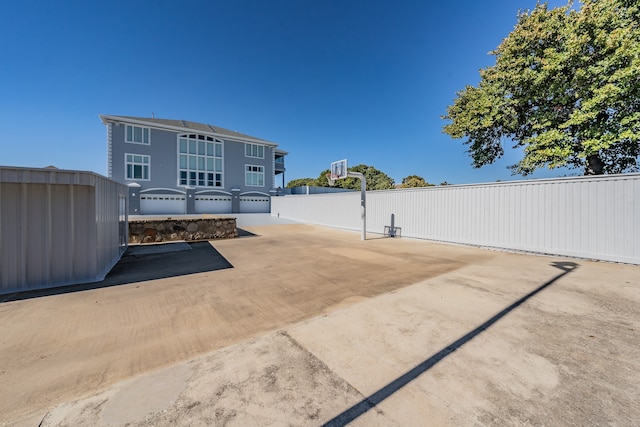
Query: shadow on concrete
[144, 262]
[377, 236]
[379, 396]
[245, 233]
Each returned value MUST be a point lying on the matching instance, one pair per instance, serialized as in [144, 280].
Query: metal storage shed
[59, 227]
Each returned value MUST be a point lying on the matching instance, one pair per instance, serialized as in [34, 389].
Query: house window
[137, 166]
[254, 176]
[254, 150]
[199, 161]
[137, 135]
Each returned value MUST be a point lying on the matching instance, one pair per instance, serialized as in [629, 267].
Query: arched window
[200, 161]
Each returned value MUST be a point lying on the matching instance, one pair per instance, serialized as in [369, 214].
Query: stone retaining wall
[155, 231]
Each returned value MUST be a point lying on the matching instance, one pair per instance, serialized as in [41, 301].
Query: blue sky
[327, 80]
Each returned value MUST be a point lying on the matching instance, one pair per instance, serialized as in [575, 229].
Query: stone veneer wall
[155, 231]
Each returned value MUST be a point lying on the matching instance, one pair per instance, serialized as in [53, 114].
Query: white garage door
[254, 204]
[213, 204]
[160, 204]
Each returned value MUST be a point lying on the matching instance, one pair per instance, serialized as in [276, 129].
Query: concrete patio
[312, 326]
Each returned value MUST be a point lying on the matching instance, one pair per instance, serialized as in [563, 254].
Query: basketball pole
[337, 172]
[363, 201]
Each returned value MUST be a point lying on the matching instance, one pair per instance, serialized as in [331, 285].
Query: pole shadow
[379, 396]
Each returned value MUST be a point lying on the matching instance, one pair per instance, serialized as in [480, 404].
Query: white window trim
[245, 175]
[133, 163]
[257, 145]
[143, 129]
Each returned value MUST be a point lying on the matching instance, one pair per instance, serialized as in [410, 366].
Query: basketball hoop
[339, 171]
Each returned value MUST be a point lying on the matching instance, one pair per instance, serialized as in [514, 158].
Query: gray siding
[163, 151]
[164, 166]
[235, 162]
[58, 227]
[587, 217]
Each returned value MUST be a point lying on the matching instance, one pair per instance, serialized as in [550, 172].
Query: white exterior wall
[340, 210]
[58, 227]
[587, 217]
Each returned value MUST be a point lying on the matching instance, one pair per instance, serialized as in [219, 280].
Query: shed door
[157, 204]
[254, 204]
[213, 204]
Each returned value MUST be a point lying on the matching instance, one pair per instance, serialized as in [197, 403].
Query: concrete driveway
[312, 326]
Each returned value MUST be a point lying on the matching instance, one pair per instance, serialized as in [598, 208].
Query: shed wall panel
[58, 227]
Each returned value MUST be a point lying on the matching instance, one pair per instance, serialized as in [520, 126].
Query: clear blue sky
[363, 80]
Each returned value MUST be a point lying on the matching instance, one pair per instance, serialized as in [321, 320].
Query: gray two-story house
[180, 167]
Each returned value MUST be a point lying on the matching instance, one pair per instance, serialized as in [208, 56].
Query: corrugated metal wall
[58, 227]
[112, 228]
[333, 210]
[588, 217]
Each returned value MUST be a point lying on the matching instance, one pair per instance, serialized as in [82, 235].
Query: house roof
[184, 125]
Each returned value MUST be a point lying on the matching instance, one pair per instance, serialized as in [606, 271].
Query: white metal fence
[587, 217]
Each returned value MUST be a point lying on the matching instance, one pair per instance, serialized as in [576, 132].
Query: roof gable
[184, 125]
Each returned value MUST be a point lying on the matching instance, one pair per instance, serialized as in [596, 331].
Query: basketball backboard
[339, 169]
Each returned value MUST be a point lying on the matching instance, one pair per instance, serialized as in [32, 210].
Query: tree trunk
[594, 165]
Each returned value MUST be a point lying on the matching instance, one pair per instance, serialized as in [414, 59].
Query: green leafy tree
[301, 182]
[323, 181]
[565, 87]
[414, 181]
[376, 180]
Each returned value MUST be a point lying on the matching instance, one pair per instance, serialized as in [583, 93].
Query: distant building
[181, 167]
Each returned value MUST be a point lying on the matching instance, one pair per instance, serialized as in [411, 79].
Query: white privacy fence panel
[333, 210]
[589, 217]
